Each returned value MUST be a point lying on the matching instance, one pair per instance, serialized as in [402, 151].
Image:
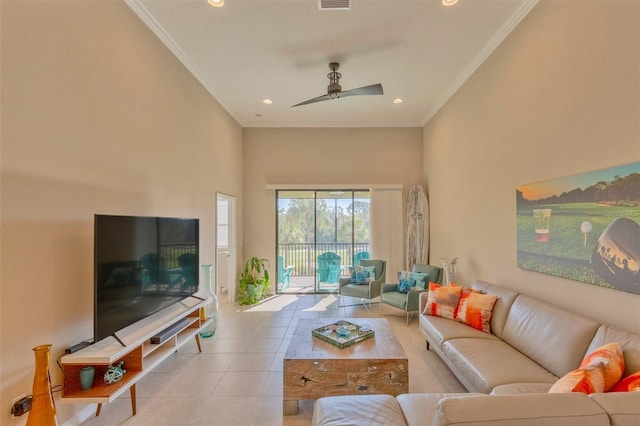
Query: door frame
[230, 248]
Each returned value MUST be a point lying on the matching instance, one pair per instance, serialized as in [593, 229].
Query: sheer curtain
[387, 238]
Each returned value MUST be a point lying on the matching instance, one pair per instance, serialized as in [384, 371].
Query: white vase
[448, 270]
[211, 309]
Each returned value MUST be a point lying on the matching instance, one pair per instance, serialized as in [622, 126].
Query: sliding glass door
[320, 234]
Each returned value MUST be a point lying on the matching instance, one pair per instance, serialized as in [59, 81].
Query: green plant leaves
[254, 281]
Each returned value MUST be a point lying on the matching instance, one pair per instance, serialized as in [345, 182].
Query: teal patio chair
[359, 256]
[284, 273]
[328, 270]
[409, 302]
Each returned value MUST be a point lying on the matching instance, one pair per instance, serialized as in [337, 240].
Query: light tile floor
[237, 379]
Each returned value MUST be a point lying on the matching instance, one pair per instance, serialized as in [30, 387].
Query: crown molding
[504, 31]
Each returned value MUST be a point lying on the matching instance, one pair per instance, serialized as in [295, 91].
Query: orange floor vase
[43, 409]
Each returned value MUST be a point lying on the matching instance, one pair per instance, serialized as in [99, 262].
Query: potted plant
[254, 281]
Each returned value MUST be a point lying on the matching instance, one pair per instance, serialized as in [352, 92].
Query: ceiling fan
[334, 90]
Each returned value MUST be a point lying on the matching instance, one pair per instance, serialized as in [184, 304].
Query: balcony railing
[302, 256]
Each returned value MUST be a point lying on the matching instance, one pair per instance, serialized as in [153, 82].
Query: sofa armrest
[375, 287]
[343, 281]
[423, 300]
[515, 410]
[623, 408]
[387, 287]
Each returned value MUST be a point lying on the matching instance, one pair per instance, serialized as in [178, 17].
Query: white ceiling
[249, 50]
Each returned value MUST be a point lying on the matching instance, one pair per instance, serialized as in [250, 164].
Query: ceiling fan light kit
[334, 90]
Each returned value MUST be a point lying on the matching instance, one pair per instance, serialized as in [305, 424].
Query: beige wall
[320, 156]
[97, 117]
[560, 96]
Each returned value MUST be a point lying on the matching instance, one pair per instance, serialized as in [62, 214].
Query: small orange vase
[43, 408]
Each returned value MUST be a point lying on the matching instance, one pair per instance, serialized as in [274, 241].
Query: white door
[226, 245]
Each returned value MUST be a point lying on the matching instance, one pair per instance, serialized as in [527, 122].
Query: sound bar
[168, 332]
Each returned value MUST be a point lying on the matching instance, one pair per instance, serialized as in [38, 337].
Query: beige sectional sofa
[509, 371]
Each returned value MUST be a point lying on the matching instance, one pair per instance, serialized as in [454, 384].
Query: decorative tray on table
[343, 333]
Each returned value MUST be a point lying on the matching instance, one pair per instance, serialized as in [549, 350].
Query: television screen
[142, 265]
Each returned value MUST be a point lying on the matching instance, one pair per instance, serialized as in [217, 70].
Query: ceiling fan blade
[374, 89]
[314, 100]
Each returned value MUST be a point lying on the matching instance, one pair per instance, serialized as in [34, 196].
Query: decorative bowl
[343, 331]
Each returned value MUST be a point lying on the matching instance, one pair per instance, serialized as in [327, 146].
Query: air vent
[334, 4]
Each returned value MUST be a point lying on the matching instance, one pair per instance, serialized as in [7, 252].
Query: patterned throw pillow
[405, 284]
[371, 270]
[404, 274]
[359, 275]
[422, 278]
[612, 360]
[475, 309]
[585, 380]
[631, 383]
[442, 301]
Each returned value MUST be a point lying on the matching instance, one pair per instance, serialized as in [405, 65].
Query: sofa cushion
[630, 346]
[482, 364]
[568, 409]
[394, 298]
[612, 361]
[420, 408]
[623, 408]
[551, 336]
[374, 410]
[506, 296]
[438, 330]
[518, 388]
[355, 290]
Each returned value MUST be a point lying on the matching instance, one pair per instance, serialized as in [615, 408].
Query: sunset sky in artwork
[541, 190]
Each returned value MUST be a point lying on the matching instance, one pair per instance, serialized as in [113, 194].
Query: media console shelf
[176, 324]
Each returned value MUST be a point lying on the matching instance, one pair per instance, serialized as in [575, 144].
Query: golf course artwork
[584, 227]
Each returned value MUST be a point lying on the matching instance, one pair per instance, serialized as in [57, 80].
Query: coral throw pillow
[475, 310]
[630, 383]
[612, 360]
[585, 380]
[442, 301]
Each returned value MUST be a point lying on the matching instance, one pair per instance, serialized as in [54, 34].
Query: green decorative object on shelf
[254, 281]
[114, 373]
[211, 309]
[86, 377]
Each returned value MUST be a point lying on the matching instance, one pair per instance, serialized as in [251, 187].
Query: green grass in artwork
[566, 254]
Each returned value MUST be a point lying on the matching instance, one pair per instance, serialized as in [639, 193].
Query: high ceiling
[251, 50]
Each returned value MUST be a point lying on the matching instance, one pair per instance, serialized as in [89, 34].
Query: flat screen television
[141, 265]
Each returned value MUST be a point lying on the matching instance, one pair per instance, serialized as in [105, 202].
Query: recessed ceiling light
[397, 101]
[216, 3]
[267, 101]
[449, 2]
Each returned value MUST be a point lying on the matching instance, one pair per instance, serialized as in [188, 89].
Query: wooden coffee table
[314, 368]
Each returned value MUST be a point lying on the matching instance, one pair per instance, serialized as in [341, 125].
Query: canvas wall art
[584, 227]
